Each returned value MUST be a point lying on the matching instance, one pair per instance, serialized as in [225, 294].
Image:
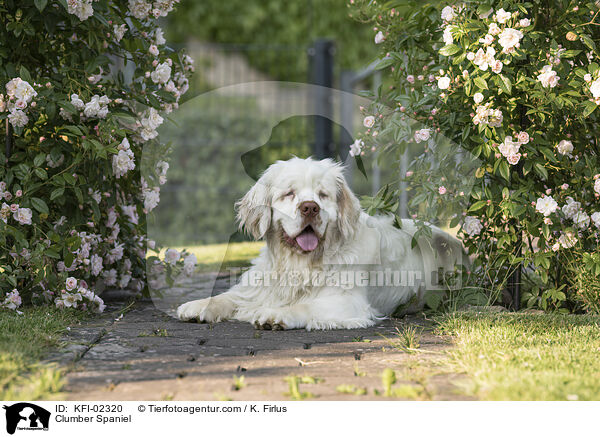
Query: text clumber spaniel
[326, 264]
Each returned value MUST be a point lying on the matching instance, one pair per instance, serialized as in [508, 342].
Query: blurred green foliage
[276, 22]
[218, 152]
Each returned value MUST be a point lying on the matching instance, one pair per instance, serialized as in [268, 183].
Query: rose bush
[83, 82]
[517, 86]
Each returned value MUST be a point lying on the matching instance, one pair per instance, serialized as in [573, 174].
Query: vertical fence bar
[347, 118]
[322, 69]
[376, 180]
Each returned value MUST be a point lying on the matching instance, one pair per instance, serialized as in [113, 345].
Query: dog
[326, 263]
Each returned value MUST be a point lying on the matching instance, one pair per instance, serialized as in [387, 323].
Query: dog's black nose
[309, 209]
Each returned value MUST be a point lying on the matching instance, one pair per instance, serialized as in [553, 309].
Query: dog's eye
[323, 195]
[289, 194]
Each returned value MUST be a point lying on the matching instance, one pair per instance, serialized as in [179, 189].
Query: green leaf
[481, 83]
[39, 159]
[52, 254]
[541, 170]
[40, 205]
[40, 4]
[69, 179]
[58, 192]
[361, 166]
[41, 173]
[504, 170]
[588, 108]
[449, 50]
[478, 205]
[505, 84]
[24, 73]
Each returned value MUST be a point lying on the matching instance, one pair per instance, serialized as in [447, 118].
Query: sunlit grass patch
[526, 356]
[213, 257]
[24, 340]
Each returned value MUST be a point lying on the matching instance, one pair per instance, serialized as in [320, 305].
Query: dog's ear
[348, 209]
[254, 210]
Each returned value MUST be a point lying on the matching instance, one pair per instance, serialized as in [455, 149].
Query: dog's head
[300, 202]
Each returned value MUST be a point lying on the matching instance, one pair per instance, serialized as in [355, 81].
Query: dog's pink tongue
[307, 241]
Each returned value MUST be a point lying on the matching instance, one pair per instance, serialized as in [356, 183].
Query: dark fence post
[322, 75]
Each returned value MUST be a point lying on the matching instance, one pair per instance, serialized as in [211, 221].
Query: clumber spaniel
[326, 264]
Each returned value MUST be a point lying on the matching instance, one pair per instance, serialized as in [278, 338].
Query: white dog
[326, 264]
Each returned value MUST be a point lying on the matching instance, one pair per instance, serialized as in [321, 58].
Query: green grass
[24, 340]
[511, 356]
[211, 257]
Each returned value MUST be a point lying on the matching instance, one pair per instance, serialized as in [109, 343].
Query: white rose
[123, 162]
[502, 16]
[472, 226]
[172, 256]
[356, 147]
[548, 77]
[96, 264]
[448, 13]
[151, 199]
[494, 29]
[581, 220]
[567, 240]
[497, 66]
[571, 208]
[159, 37]
[153, 50]
[447, 36]
[422, 135]
[595, 88]
[565, 147]
[162, 74]
[596, 219]
[18, 118]
[369, 121]
[152, 120]
[509, 147]
[510, 38]
[77, 102]
[478, 98]
[444, 82]
[189, 264]
[23, 216]
[92, 107]
[524, 22]
[71, 283]
[379, 37]
[486, 40]
[523, 137]
[546, 205]
[119, 31]
[81, 8]
[597, 186]
[139, 9]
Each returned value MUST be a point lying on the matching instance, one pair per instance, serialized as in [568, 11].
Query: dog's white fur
[349, 241]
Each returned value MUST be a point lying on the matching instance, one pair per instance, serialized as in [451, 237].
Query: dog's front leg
[332, 308]
[212, 309]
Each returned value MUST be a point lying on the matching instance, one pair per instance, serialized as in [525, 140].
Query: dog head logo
[26, 416]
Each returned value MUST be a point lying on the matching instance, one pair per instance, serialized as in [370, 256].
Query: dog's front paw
[203, 310]
[270, 326]
[269, 319]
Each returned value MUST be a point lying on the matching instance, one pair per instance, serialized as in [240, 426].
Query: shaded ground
[149, 355]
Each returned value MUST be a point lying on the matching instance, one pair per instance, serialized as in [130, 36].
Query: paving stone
[149, 355]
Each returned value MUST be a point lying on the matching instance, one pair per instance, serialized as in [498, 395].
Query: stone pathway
[148, 355]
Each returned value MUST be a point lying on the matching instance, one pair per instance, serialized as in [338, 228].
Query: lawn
[24, 340]
[213, 257]
[510, 356]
